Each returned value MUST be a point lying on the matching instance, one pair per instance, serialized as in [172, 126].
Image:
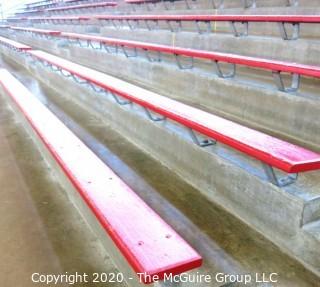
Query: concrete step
[313, 228]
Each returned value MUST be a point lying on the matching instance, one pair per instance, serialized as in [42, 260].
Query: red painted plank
[14, 44]
[63, 18]
[249, 18]
[34, 30]
[147, 242]
[280, 154]
[83, 6]
[306, 70]
[141, 1]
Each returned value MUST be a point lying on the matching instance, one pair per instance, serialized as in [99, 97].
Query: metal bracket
[281, 182]
[172, 29]
[223, 75]
[190, 66]
[149, 27]
[284, 33]
[201, 143]
[78, 80]
[236, 31]
[158, 59]
[90, 45]
[96, 89]
[153, 118]
[171, 5]
[249, 3]
[292, 2]
[120, 102]
[295, 83]
[203, 31]
[217, 4]
[132, 27]
[109, 50]
[187, 3]
[135, 54]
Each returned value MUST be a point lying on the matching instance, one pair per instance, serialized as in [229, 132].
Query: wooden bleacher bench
[149, 244]
[82, 6]
[272, 152]
[14, 45]
[277, 67]
[60, 19]
[294, 20]
[36, 31]
[216, 4]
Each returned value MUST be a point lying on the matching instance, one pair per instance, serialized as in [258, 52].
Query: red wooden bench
[142, 3]
[149, 244]
[60, 19]
[41, 5]
[216, 4]
[14, 45]
[234, 20]
[272, 152]
[36, 31]
[277, 67]
[17, 19]
[71, 9]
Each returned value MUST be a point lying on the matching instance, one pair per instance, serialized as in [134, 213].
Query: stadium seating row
[272, 152]
[123, 215]
[239, 23]
[276, 67]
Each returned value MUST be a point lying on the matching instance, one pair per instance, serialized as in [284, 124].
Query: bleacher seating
[123, 215]
[220, 95]
[294, 20]
[276, 67]
[14, 45]
[80, 7]
[271, 151]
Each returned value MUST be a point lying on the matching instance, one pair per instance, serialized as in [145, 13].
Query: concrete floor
[42, 232]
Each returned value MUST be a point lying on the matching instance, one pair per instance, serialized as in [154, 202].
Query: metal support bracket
[273, 178]
[284, 31]
[135, 54]
[168, 6]
[152, 117]
[149, 27]
[249, 3]
[172, 29]
[236, 31]
[120, 102]
[182, 67]
[223, 75]
[78, 80]
[292, 2]
[201, 143]
[158, 59]
[295, 83]
[217, 4]
[204, 31]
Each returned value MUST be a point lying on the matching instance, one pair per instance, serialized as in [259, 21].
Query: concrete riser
[275, 213]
